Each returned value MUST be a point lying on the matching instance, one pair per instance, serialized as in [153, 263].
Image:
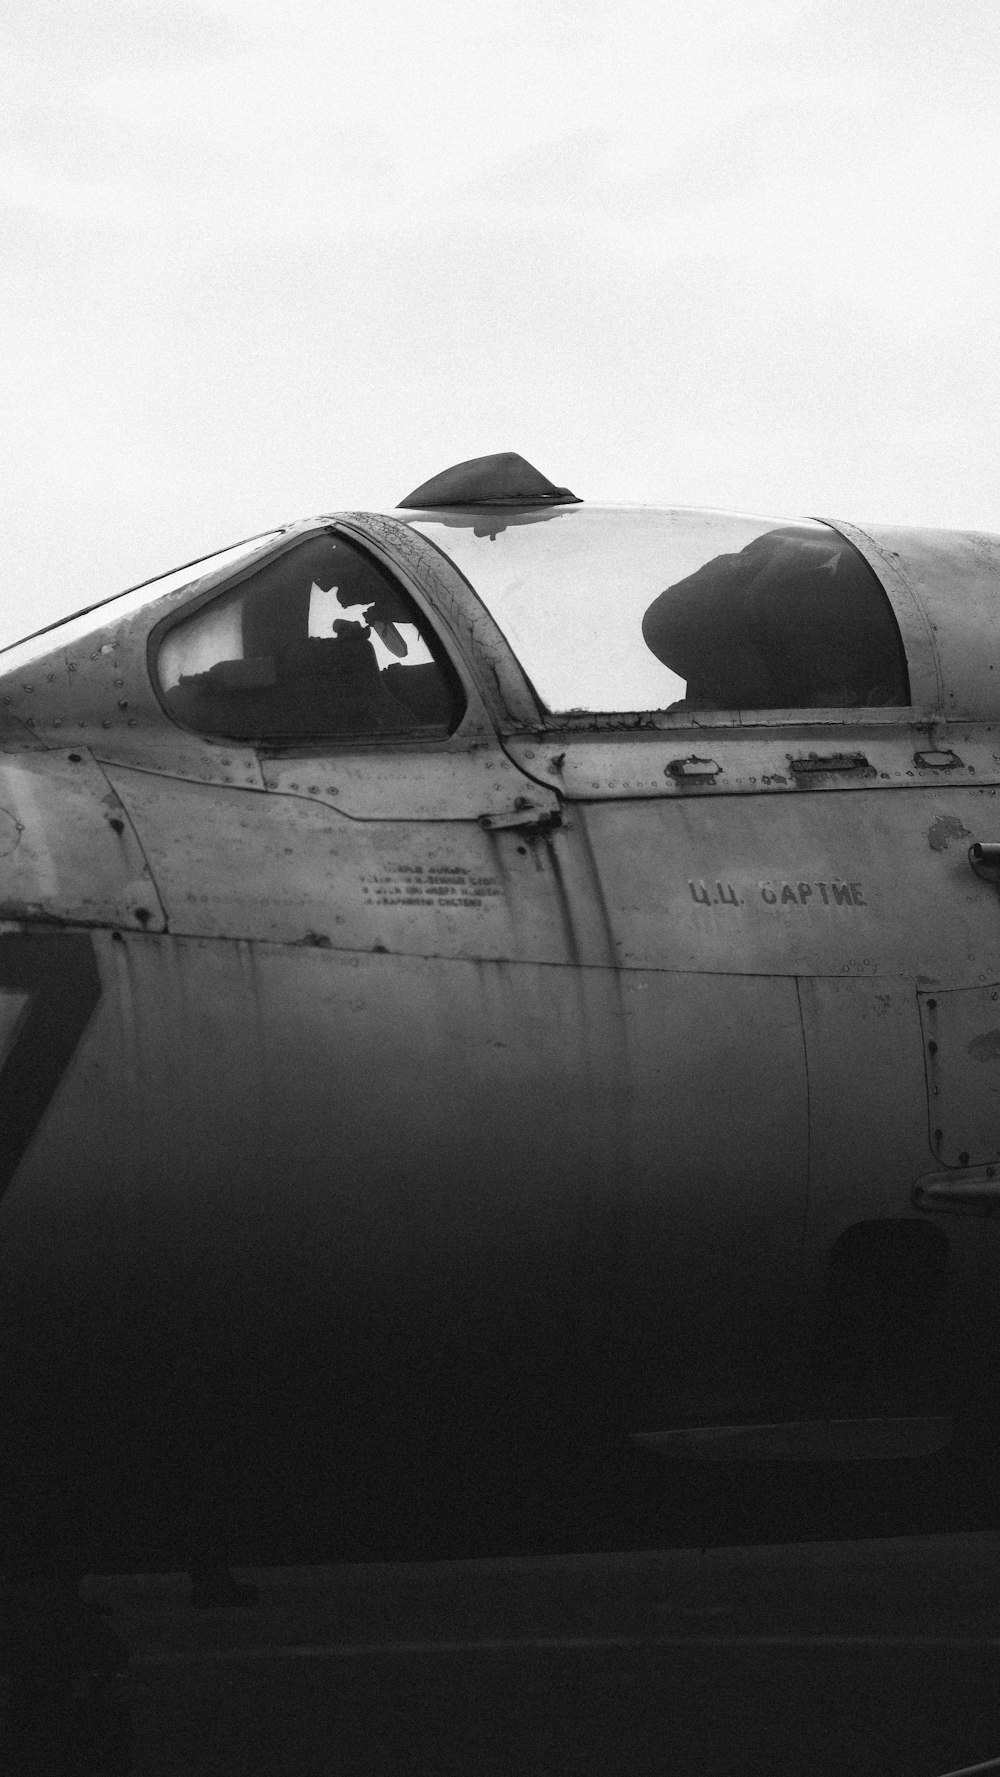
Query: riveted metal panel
[67, 847]
[455, 780]
[961, 1033]
[86, 682]
[811, 885]
[952, 579]
[292, 869]
[793, 759]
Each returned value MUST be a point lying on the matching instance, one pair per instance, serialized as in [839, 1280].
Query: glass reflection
[638, 609]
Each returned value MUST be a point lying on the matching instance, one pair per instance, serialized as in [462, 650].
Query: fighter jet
[489, 988]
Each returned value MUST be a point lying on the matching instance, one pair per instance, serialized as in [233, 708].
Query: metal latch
[937, 759]
[544, 820]
[831, 762]
[693, 770]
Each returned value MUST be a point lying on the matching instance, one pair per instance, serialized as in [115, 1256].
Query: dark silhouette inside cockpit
[279, 658]
[795, 620]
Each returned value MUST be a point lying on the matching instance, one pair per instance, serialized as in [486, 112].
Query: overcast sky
[262, 261]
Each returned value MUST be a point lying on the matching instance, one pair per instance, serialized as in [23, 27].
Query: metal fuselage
[389, 1132]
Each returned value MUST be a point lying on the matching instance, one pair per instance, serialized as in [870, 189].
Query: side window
[791, 621]
[321, 643]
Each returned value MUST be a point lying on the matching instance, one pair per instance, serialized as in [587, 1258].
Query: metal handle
[984, 857]
[979, 1196]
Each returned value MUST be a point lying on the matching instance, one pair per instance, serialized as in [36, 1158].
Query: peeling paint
[10, 833]
[985, 1047]
[942, 831]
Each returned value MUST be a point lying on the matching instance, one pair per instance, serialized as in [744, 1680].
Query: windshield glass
[111, 610]
[321, 641]
[640, 609]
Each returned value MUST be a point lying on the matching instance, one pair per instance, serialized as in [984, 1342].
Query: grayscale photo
[500, 889]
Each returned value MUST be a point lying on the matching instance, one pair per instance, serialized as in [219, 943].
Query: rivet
[75, 758]
[123, 703]
[107, 648]
[932, 1047]
[314, 789]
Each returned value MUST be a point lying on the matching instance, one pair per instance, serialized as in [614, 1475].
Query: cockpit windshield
[320, 642]
[109, 611]
[619, 610]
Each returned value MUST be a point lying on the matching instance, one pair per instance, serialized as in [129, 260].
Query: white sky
[261, 261]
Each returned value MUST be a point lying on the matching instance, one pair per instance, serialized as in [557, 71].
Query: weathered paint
[961, 1031]
[279, 867]
[944, 830]
[67, 849]
[757, 761]
[782, 887]
[949, 581]
[453, 1107]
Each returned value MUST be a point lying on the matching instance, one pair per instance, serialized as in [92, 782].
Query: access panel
[961, 1033]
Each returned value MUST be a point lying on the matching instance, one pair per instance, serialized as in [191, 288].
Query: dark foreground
[785, 1619]
[878, 1657]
